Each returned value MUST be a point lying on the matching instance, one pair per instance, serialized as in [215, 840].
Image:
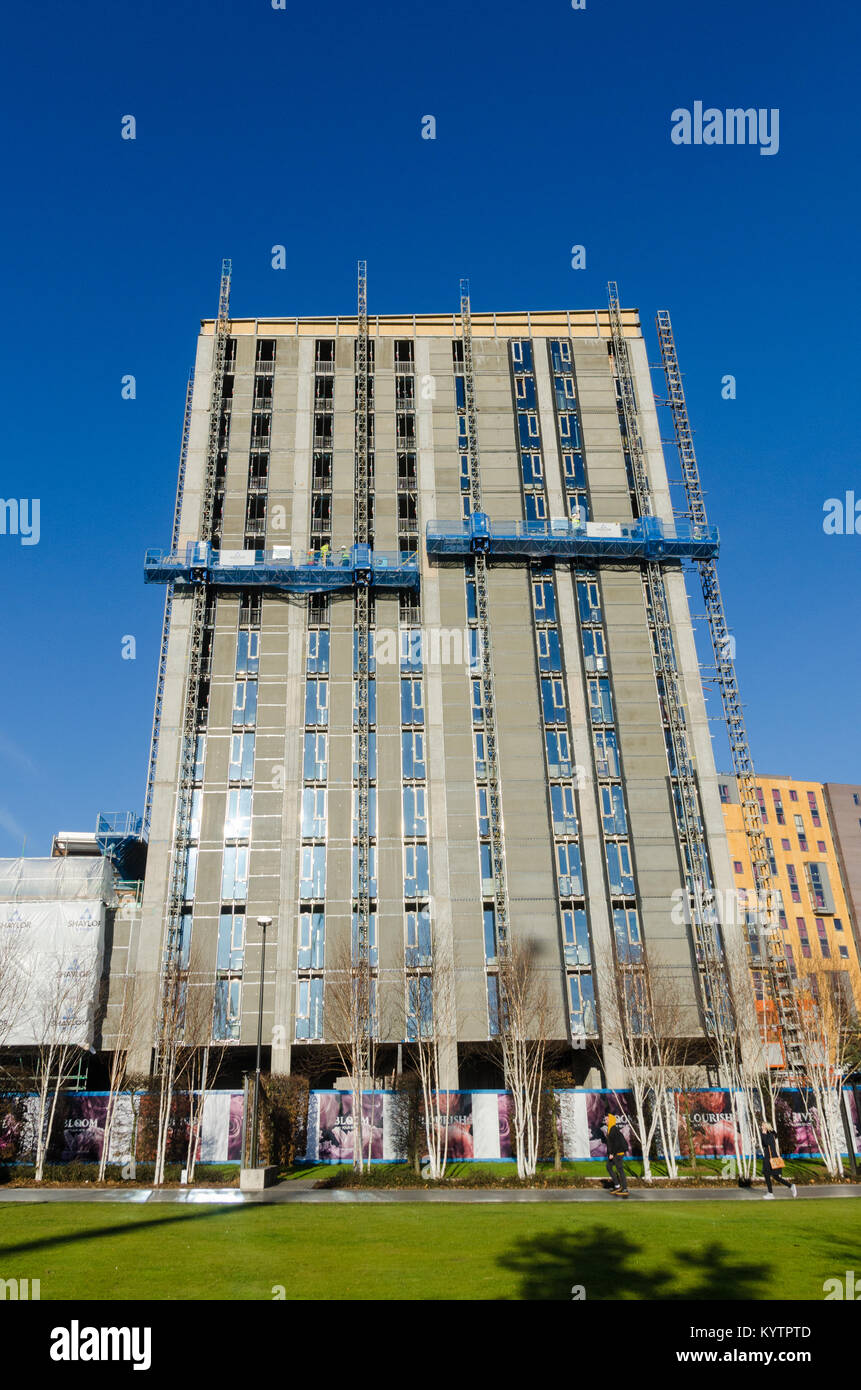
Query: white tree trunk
[41, 1137]
[106, 1141]
[358, 1126]
[165, 1105]
[668, 1120]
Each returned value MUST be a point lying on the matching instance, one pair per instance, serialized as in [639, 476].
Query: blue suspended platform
[632, 541]
[278, 568]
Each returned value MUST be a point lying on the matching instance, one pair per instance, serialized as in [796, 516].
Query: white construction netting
[46, 880]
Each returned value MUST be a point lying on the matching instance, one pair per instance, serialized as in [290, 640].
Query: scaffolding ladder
[363, 796]
[191, 701]
[774, 962]
[705, 925]
[168, 609]
[485, 655]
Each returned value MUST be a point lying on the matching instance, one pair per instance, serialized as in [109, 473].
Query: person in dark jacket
[616, 1148]
[768, 1139]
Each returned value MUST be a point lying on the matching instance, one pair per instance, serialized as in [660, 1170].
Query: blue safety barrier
[279, 568]
[634, 541]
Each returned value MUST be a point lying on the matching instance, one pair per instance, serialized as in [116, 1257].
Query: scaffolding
[194, 671]
[118, 836]
[485, 655]
[705, 924]
[773, 960]
[361, 507]
[168, 610]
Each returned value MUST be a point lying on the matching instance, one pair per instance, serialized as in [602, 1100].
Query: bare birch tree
[15, 984]
[629, 1026]
[169, 1034]
[647, 1024]
[674, 1048]
[127, 1018]
[429, 1003]
[352, 1024]
[738, 1048]
[829, 1035]
[522, 1040]
[63, 1000]
[203, 1058]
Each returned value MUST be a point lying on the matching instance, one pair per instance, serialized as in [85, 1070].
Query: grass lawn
[780, 1249]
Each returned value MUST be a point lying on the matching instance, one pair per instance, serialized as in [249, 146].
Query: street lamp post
[263, 923]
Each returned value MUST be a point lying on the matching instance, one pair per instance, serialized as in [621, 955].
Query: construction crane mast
[191, 701]
[168, 609]
[705, 924]
[485, 654]
[362, 964]
[773, 963]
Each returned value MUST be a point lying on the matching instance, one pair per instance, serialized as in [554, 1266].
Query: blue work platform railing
[280, 568]
[646, 539]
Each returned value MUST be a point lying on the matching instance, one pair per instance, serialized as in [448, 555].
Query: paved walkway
[300, 1191]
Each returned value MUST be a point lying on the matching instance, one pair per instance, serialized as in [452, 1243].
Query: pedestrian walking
[616, 1148]
[772, 1161]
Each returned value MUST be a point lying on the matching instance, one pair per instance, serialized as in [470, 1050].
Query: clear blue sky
[257, 127]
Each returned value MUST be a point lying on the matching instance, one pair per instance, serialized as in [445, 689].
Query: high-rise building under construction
[429, 683]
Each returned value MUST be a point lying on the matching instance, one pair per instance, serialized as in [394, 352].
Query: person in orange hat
[616, 1148]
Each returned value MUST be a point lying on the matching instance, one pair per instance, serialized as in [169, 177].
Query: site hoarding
[78, 1131]
[852, 1102]
[54, 952]
[479, 1126]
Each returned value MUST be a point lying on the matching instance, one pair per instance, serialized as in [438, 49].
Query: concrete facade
[302, 406]
[844, 814]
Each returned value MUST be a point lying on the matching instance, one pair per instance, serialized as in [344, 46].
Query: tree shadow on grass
[87, 1233]
[843, 1250]
[609, 1264]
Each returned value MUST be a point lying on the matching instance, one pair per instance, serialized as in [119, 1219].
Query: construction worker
[324, 552]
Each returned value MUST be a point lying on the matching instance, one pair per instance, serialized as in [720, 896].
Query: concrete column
[290, 772]
[441, 915]
[588, 820]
